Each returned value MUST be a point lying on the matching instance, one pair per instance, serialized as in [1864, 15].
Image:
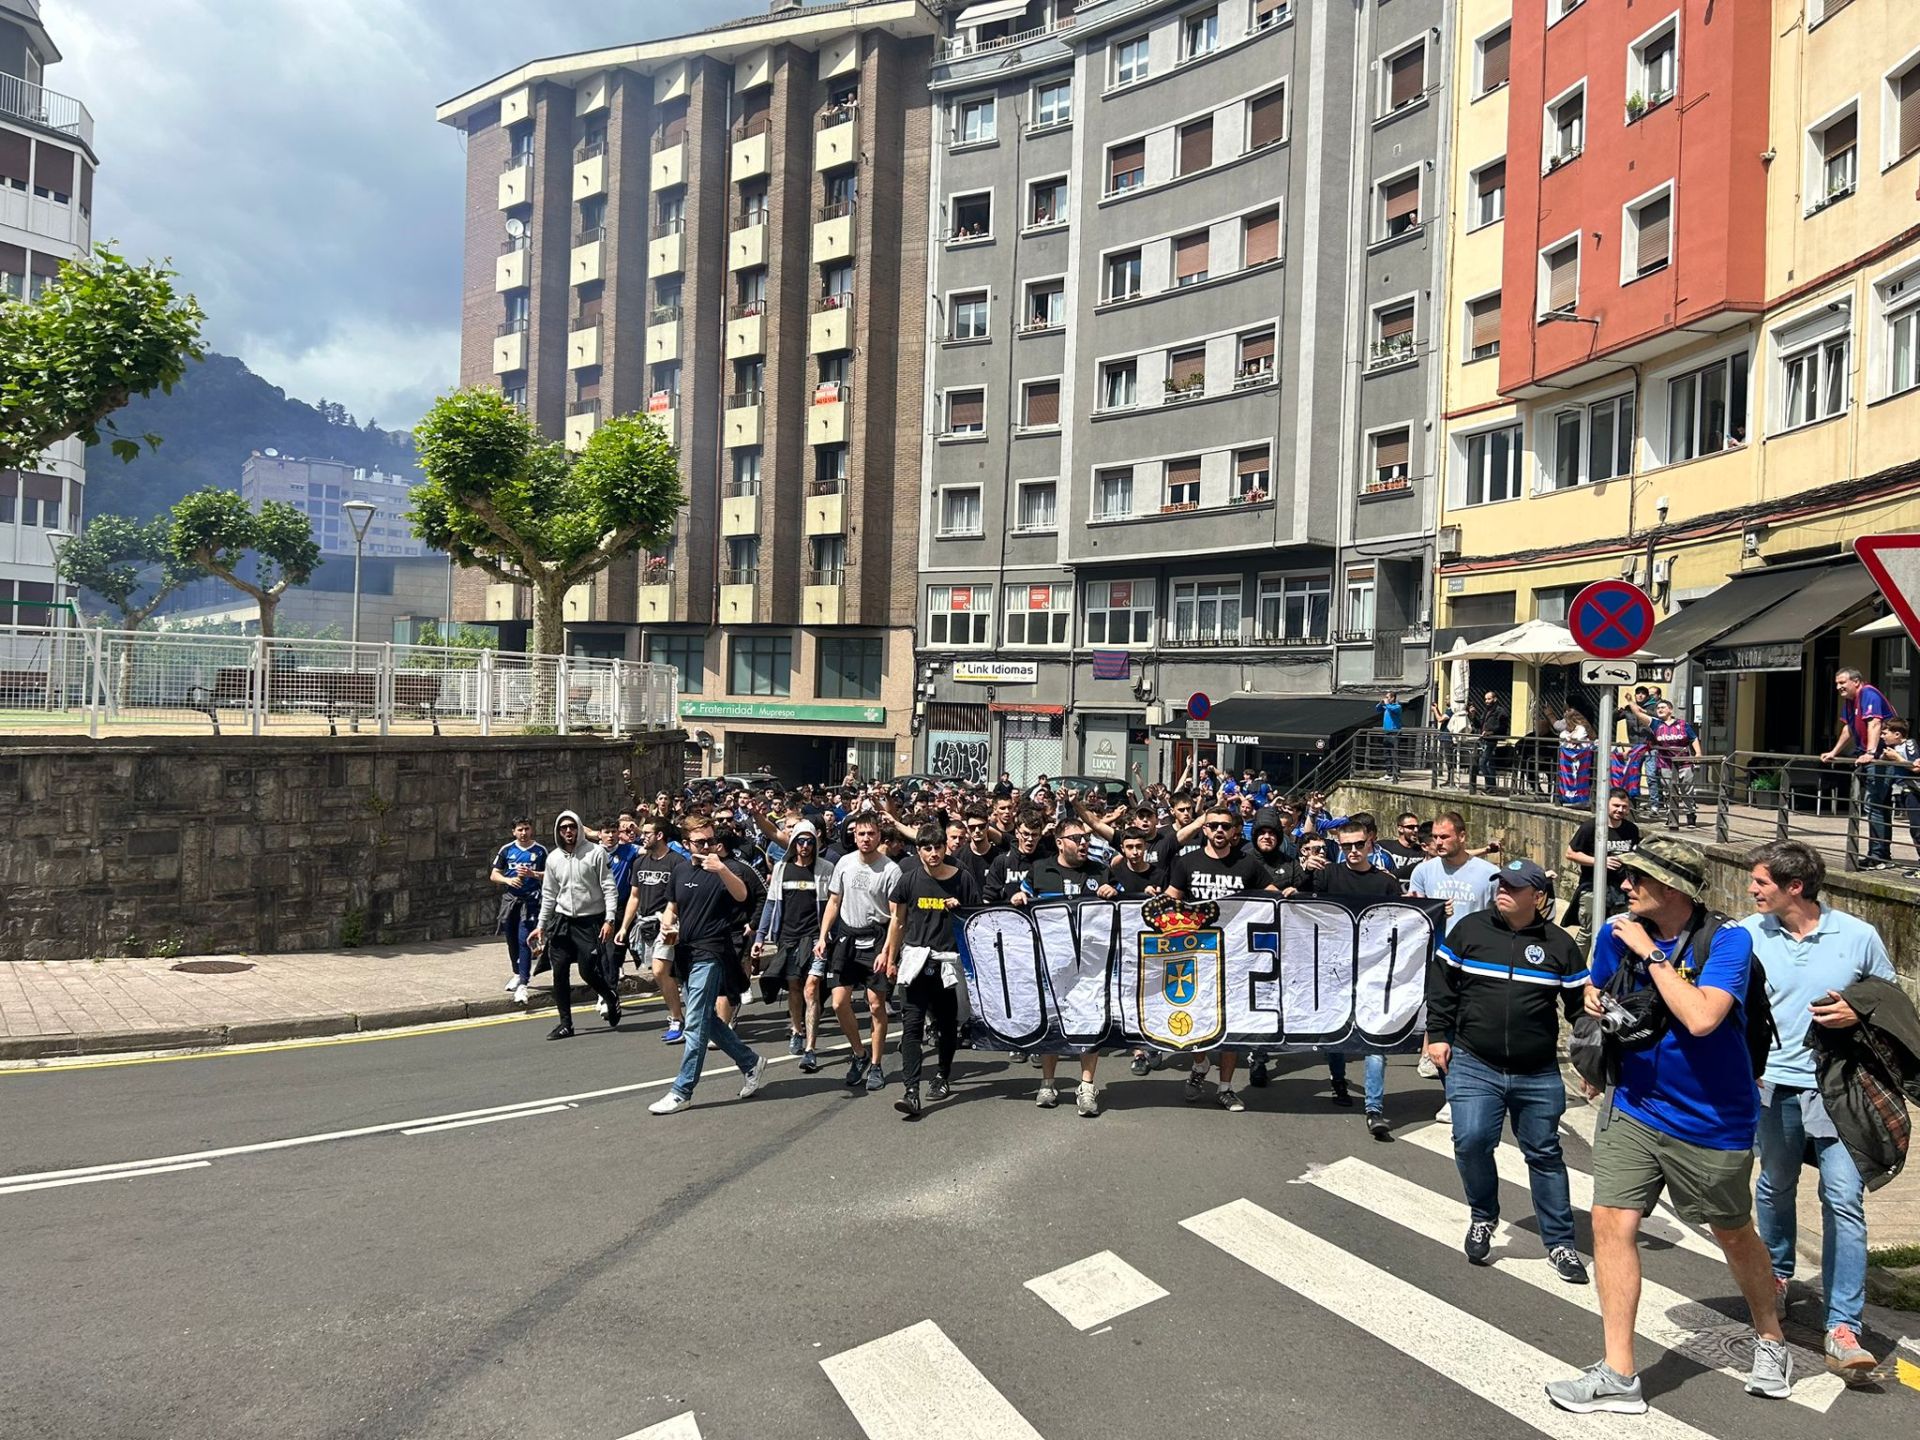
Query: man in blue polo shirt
[1862, 708]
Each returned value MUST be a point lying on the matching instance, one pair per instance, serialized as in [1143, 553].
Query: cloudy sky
[285, 155]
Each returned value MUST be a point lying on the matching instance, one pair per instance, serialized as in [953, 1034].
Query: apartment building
[1708, 265]
[47, 162]
[1181, 379]
[318, 488]
[726, 230]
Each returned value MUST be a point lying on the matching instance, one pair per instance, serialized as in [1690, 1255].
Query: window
[1495, 54]
[1260, 237]
[1493, 466]
[1200, 34]
[746, 471]
[972, 216]
[1046, 305]
[970, 315]
[1119, 612]
[966, 412]
[1119, 385]
[1483, 327]
[960, 510]
[1900, 302]
[1183, 483]
[1196, 146]
[1835, 158]
[1253, 475]
[1130, 61]
[1560, 277]
[1040, 404]
[686, 653]
[743, 560]
[1814, 358]
[760, 665]
[1389, 470]
[1255, 364]
[1826, 9]
[1558, 10]
[1359, 612]
[975, 124]
[1034, 509]
[1123, 275]
[1190, 258]
[1126, 167]
[1296, 608]
[836, 283]
[1052, 103]
[830, 464]
[1398, 205]
[959, 614]
[1267, 119]
[1490, 193]
[1707, 410]
[1591, 443]
[851, 667]
[1567, 126]
[1047, 202]
[1187, 373]
[1205, 611]
[1113, 495]
[1392, 334]
[1900, 125]
[1403, 78]
[1652, 72]
[593, 213]
[1648, 245]
[826, 559]
[1039, 614]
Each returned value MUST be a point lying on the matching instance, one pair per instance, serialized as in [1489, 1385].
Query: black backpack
[1762, 1033]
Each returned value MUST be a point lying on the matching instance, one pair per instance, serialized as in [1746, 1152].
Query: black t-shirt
[799, 905]
[1201, 877]
[1007, 872]
[653, 881]
[929, 922]
[1285, 874]
[1621, 839]
[1368, 884]
[1128, 881]
[1161, 847]
[1405, 858]
[976, 864]
[1051, 878]
[708, 915]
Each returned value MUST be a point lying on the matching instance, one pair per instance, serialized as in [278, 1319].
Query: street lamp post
[359, 515]
[57, 693]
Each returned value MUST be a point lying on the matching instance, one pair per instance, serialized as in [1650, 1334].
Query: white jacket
[578, 884]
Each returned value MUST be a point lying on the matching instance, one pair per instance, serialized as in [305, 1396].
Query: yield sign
[1894, 563]
[1610, 619]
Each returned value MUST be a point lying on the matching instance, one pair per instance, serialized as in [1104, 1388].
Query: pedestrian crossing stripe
[681, 1427]
[915, 1383]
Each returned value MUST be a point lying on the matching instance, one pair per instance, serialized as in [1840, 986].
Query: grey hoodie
[579, 882]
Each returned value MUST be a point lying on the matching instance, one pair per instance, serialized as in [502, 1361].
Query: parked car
[754, 780]
[1111, 790]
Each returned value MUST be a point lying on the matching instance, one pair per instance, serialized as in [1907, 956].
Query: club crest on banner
[1182, 974]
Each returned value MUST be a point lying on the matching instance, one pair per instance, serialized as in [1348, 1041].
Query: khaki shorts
[1633, 1163]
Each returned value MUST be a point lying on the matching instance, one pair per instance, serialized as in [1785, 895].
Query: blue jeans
[697, 994]
[1876, 798]
[1843, 1216]
[1482, 1098]
[519, 951]
[1376, 1077]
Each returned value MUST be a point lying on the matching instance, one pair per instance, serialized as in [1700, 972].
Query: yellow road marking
[1908, 1372]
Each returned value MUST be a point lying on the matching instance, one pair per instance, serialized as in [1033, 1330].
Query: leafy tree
[501, 498]
[103, 332]
[214, 531]
[117, 559]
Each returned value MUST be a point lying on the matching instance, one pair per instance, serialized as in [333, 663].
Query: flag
[1576, 775]
[1112, 665]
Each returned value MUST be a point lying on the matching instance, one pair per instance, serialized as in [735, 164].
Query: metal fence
[108, 681]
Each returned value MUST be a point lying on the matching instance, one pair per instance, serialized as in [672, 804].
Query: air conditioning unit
[1447, 547]
[1629, 568]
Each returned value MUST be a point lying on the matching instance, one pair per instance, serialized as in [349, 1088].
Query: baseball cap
[1519, 874]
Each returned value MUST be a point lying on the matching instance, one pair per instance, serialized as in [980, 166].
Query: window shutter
[1190, 255]
[1839, 136]
[1390, 449]
[16, 155]
[43, 487]
[1264, 8]
[1124, 158]
[1407, 77]
[967, 408]
[1563, 279]
[1909, 121]
[1267, 119]
[1253, 462]
[1486, 321]
[1043, 403]
[1186, 366]
[1256, 347]
[1494, 60]
[1196, 146]
[13, 261]
[1263, 237]
[1396, 323]
[1493, 178]
[1183, 472]
[44, 264]
[1654, 220]
[1403, 197]
[1833, 7]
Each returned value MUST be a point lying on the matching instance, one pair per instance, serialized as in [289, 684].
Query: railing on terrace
[49, 109]
[957, 46]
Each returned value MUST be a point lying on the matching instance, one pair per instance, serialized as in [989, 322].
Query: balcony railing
[664, 139]
[740, 489]
[744, 399]
[740, 575]
[656, 571]
[818, 488]
[522, 242]
[666, 228]
[1390, 352]
[957, 46]
[832, 392]
[834, 300]
[584, 407]
[746, 309]
[512, 161]
[833, 575]
[588, 149]
[48, 109]
[1252, 377]
[752, 125]
[834, 210]
[747, 219]
[512, 327]
[839, 114]
[1286, 639]
[664, 314]
[1033, 324]
[1180, 391]
[591, 235]
[583, 322]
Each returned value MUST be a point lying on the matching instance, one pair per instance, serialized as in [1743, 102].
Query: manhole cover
[213, 967]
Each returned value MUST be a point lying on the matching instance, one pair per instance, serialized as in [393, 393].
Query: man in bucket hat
[1681, 1120]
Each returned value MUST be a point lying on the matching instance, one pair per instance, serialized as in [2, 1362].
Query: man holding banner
[1069, 874]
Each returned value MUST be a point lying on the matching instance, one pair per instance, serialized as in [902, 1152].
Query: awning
[991, 10]
[1773, 639]
[1885, 625]
[1705, 620]
[1288, 722]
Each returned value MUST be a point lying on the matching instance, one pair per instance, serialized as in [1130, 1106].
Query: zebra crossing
[917, 1381]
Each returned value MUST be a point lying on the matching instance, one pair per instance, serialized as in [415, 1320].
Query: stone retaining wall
[205, 844]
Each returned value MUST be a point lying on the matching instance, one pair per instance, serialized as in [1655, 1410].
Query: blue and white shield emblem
[1182, 994]
[1180, 982]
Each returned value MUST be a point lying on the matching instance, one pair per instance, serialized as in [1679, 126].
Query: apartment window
[760, 665]
[1268, 13]
[1490, 193]
[1040, 404]
[1113, 495]
[672, 206]
[1567, 126]
[1187, 372]
[1493, 466]
[1826, 9]
[1398, 205]
[753, 203]
[1130, 60]
[1034, 506]
[970, 315]
[975, 124]
[1260, 237]
[1200, 34]
[1119, 612]
[1039, 614]
[1052, 103]
[1183, 483]
[851, 667]
[1403, 78]
[1560, 277]
[1591, 443]
[1255, 364]
[1126, 167]
[750, 290]
[836, 371]
[1653, 66]
[1483, 327]
[1558, 10]
[1707, 410]
[830, 464]
[842, 191]
[1190, 258]
[959, 614]
[1900, 307]
[1495, 58]
[746, 470]
[1813, 370]
[1047, 202]
[687, 654]
[1119, 385]
[1046, 304]
[1296, 608]
[960, 510]
[1389, 470]
[1205, 611]
[1267, 119]
[1649, 240]
[1392, 334]
[1900, 123]
[1835, 146]
[966, 412]
[1123, 275]
[1196, 145]
[515, 395]
[972, 216]
[743, 559]
[1359, 612]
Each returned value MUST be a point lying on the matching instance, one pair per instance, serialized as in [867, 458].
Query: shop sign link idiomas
[997, 672]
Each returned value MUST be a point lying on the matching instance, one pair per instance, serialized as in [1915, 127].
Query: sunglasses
[1219, 825]
[1353, 845]
[1074, 839]
[699, 840]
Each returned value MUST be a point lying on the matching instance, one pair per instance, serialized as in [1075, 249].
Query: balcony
[667, 251]
[668, 419]
[830, 328]
[663, 336]
[742, 423]
[654, 602]
[836, 141]
[1255, 376]
[827, 416]
[516, 106]
[516, 182]
[963, 58]
[833, 232]
[583, 345]
[747, 246]
[511, 270]
[586, 264]
[823, 599]
[593, 94]
[753, 69]
[672, 82]
[749, 155]
[826, 508]
[45, 109]
[590, 173]
[583, 418]
[510, 348]
[1396, 351]
[747, 332]
[1180, 392]
[736, 594]
[668, 169]
[740, 513]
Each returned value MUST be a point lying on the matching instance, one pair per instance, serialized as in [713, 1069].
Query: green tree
[501, 498]
[129, 565]
[214, 531]
[103, 332]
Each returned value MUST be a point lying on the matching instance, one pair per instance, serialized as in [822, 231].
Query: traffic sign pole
[1610, 620]
[1602, 783]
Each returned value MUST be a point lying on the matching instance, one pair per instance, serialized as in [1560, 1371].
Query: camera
[1614, 1017]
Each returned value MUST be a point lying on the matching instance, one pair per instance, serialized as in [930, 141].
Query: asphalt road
[804, 1263]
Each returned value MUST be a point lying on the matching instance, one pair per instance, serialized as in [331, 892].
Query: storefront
[1282, 736]
[800, 742]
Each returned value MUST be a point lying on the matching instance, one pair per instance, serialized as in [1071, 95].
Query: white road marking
[681, 1427]
[1095, 1290]
[1663, 1224]
[1470, 1352]
[487, 1119]
[916, 1383]
[1666, 1317]
[96, 1179]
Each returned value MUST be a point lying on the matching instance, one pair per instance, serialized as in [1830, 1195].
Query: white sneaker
[1445, 1115]
[753, 1078]
[511, 984]
[1086, 1100]
[520, 994]
[668, 1103]
[600, 1004]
